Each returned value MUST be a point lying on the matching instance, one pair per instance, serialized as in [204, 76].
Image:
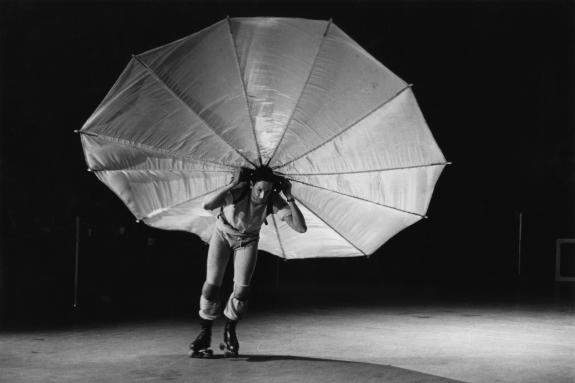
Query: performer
[244, 206]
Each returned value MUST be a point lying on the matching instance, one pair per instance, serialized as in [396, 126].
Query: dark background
[494, 80]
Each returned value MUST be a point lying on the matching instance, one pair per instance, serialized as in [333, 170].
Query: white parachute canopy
[299, 95]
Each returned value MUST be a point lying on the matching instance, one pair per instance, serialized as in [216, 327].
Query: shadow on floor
[180, 368]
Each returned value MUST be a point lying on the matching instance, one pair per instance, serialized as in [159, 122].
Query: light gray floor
[410, 343]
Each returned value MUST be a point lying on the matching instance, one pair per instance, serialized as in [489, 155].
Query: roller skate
[200, 347]
[230, 345]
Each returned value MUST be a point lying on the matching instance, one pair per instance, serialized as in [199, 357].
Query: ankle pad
[235, 308]
[209, 309]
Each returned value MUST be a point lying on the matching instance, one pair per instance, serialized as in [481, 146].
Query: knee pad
[209, 310]
[211, 292]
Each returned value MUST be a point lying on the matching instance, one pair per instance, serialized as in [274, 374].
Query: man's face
[261, 191]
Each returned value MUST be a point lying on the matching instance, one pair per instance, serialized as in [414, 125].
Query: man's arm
[296, 220]
[219, 199]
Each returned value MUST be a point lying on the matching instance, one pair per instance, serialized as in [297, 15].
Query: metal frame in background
[558, 276]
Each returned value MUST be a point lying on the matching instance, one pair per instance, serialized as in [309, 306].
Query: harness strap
[269, 204]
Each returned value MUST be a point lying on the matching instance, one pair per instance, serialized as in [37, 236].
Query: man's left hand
[286, 189]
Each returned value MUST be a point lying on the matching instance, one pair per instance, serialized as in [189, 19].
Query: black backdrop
[494, 80]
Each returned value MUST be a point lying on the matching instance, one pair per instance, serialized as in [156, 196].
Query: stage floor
[330, 343]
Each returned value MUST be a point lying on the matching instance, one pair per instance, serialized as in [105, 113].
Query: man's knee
[210, 301]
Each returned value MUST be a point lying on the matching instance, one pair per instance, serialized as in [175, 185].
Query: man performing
[244, 206]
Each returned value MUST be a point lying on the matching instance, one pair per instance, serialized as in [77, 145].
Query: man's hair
[265, 173]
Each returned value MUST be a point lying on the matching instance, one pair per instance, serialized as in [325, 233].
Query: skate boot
[200, 347]
[230, 344]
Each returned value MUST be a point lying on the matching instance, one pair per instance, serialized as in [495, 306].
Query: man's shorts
[234, 238]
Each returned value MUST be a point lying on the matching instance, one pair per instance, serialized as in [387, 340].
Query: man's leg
[218, 257]
[244, 265]
[245, 260]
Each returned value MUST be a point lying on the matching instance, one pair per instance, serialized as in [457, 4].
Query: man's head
[263, 182]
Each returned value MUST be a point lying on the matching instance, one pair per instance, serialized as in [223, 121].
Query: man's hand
[295, 220]
[286, 189]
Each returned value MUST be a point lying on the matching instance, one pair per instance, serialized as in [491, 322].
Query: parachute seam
[181, 176]
[359, 198]
[366, 171]
[346, 129]
[162, 170]
[156, 77]
[301, 92]
[135, 145]
[235, 48]
[183, 202]
[331, 227]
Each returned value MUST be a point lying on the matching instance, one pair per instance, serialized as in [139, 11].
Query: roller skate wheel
[201, 353]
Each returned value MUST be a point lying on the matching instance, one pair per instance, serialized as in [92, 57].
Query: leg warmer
[211, 292]
[209, 310]
[237, 304]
